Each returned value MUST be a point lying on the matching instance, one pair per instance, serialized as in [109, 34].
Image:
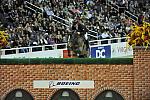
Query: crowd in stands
[27, 27]
[137, 7]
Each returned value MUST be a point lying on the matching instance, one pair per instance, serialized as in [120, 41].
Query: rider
[79, 30]
[78, 27]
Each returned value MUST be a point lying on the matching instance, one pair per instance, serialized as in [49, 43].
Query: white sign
[121, 50]
[39, 54]
[63, 84]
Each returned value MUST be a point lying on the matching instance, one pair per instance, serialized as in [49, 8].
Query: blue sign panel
[101, 52]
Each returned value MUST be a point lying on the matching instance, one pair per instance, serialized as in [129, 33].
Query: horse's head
[77, 44]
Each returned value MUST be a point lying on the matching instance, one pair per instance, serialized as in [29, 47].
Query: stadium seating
[40, 22]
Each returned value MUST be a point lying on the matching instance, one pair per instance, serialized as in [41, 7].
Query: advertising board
[101, 51]
[63, 84]
[39, 54]
[121, 50]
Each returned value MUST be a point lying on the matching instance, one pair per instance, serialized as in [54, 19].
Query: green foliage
[66, 61]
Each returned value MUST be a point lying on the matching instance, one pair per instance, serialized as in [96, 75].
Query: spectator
[27, 27]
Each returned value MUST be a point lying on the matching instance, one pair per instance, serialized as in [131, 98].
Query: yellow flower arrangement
[3, 39]
[139, 35]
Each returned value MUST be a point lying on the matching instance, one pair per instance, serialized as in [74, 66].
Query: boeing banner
[63, 84]
[101, 52]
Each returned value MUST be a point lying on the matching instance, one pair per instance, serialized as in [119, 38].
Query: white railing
[108, 41]
[28, 5]
[60, 23]
[66, 21]
[128, 14]
[33, 49]
[116, 7]
[62, 46]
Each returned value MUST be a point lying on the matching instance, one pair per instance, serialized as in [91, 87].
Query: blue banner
[101, 52]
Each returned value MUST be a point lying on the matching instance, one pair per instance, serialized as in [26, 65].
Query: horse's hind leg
[69, 53]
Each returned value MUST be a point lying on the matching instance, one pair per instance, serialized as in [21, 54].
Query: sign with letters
[63, 84]
[101, 52]
[121, 50]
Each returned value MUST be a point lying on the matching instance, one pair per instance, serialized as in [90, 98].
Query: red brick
[131, 81]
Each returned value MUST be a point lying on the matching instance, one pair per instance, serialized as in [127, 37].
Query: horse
[78, 44]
